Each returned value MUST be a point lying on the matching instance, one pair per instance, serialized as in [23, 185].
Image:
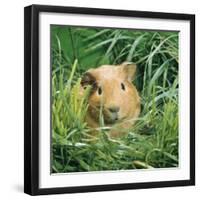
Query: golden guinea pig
[112, 91]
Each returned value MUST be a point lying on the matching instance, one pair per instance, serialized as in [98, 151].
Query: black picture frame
[31, 98]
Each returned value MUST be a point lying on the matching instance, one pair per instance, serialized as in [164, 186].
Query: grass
[153, 141]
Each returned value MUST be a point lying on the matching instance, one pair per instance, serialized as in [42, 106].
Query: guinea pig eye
[99, 91]
[123, 86]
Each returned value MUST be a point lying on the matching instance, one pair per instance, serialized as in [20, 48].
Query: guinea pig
[112, 92]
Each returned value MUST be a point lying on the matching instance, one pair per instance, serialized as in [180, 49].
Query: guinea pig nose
[114, 109]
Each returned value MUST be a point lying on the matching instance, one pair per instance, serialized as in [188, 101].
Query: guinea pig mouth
[111, 118]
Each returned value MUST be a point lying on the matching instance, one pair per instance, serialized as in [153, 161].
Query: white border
[111, 177]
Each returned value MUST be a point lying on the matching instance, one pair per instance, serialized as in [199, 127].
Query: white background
[11, 98]
[47, 180]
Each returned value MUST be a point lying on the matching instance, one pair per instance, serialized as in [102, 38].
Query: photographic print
[108, 99]
[114, 99]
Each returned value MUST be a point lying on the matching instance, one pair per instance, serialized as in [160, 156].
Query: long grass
[153, 140]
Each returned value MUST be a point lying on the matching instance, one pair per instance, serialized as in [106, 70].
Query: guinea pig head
[112, 92]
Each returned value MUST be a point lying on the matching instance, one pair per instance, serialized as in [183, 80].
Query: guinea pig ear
[129, 70]
[88, 79]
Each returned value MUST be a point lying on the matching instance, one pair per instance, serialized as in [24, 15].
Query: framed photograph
[109, 99]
